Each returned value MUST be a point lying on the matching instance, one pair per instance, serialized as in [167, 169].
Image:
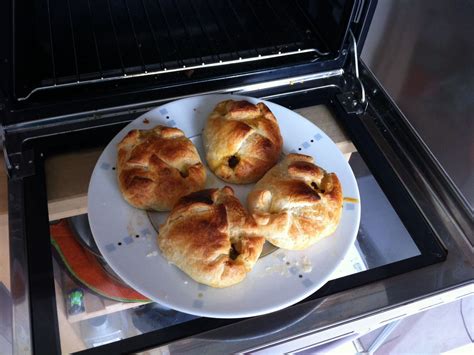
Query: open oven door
[99, 65]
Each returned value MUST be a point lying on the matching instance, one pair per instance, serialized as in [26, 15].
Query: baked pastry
[211, 237]
[242, 141]
[296, 203]
[156, 167]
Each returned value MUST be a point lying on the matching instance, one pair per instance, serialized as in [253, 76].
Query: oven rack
[166, 70]
[85, 42]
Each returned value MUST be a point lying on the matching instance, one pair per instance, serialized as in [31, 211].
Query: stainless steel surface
[382, 336]
[166, 70]
[423, 53]
[21, 332]
[5, 320]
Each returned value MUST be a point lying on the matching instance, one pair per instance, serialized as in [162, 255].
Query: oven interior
[78, 71]
[70, 51]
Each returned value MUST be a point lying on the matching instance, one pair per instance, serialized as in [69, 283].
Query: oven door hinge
[20, 165]
[350, 102]
[355, 100]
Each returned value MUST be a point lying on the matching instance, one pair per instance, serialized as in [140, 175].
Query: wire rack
[84, 41]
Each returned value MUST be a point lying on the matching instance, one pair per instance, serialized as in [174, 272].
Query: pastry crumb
[306, 265]
[153, 253]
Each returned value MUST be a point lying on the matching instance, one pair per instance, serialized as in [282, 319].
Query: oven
[74, 73]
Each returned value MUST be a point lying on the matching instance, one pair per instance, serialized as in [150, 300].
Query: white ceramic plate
[127, 240]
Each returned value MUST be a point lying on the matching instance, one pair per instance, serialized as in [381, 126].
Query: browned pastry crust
[156, 167]
[211, 237]
[242, 141]
[296, 203]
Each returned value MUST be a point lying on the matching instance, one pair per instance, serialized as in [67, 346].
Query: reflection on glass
[98, 308]
[382, 237]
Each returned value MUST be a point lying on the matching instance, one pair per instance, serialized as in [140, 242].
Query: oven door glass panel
[92, 312]
[382, 237]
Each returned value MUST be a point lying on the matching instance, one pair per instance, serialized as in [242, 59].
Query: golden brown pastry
[156, 167]
[242, 141]
[211, 237]
[296, 203]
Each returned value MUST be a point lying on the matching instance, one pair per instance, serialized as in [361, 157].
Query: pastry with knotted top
[296, 203]
[158, 166]
[211, 237]
[242, 141]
